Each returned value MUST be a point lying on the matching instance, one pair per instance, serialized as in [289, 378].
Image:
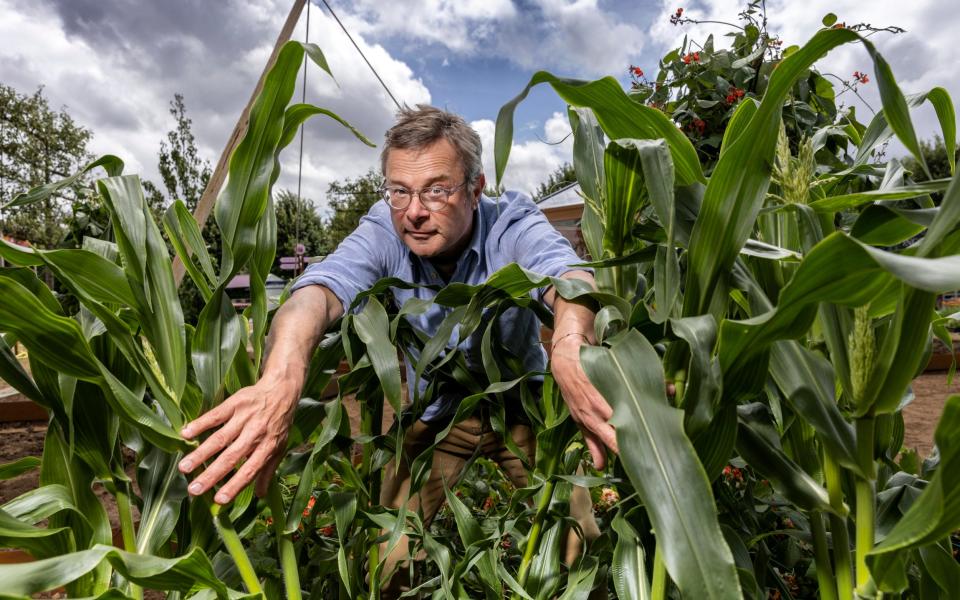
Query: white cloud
[455, 25]
[920, 58]
[577, 37]
[530, 162]
[118, 82]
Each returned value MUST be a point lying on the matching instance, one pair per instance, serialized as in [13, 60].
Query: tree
[560, 178]
[349, 200]
[297, 223]
[184, 173]
[37, 145]
[935, 154]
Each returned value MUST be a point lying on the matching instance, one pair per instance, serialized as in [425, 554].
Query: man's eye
[399, 192]
[436, 191]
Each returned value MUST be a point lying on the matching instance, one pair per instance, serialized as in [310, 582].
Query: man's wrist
[572, 334]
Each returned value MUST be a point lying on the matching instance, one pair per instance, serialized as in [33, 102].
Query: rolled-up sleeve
[361, 259]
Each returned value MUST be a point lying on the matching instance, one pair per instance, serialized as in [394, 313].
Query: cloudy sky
[115, 64]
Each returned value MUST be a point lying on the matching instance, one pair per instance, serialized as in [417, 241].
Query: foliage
[348, 200]
[765, 285]
[699, 86]
[561, 177]
[183, 172]
[297, 223]
[38, 145]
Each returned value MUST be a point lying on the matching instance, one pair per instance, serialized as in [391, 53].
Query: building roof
[563, 205]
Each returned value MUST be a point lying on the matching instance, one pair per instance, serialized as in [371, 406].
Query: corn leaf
[618, 115]
[663, 466]
[933, 516]
[177, 574]
[738, 185]
[111, 164]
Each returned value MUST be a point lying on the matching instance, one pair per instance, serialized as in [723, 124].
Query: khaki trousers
[472, 436]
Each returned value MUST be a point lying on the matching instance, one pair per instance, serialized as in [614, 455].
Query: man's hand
[254, 424]
[588, 409]
[255, 421]
[573, 327]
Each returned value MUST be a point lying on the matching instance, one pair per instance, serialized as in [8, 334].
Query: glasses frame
[385, 189]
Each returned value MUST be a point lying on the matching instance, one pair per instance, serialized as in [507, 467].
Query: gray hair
[420, 127]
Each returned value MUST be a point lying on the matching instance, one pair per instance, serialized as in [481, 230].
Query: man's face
[445, 233]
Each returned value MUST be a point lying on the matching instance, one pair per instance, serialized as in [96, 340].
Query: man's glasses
[433, 198]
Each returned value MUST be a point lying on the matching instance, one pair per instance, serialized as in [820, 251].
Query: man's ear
[478, 189]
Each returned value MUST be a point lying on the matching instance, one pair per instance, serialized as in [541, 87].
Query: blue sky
[115, 64]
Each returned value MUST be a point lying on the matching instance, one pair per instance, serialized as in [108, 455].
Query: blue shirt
[511, 230]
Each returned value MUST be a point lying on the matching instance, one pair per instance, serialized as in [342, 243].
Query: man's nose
[416, 211]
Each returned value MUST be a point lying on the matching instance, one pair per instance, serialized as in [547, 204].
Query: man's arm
[572, 328]
[255, 420]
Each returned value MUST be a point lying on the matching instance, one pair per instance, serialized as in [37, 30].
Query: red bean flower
[310, 503]
[636, 71]
[734, 95]
[861, 77]
[675, 17]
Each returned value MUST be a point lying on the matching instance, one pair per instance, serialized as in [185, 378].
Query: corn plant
[126, 373]
[790, 341]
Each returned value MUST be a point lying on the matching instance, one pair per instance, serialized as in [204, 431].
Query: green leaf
[895, 105]
[148, 269]
[111, 164]
[617, 114]
[704, 380]
[215, 343]
[839, 270]
[39, 541]
[627, 569]
[178, 574]
[942, 567]
[51, 338]
[185, 237]
[906, 192]
[373, 327]
[14, 375]
[879, 225]
[658, 178]
[933, 516]
[738, 185]
[663, 466]
[829, 19]
[807, 382]
[163, 488]
[758, 444]
[625, 197]
[18, 467]
[244, 199]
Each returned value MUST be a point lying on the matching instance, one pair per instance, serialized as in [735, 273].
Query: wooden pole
[205, 205]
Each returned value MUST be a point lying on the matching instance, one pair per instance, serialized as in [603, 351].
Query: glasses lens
[396, 197]
[434, 198]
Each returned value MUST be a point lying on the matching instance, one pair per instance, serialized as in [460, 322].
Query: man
[433, 227]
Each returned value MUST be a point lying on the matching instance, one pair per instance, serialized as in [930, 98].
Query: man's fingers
[244, 474]
[212, 418]
[227, 460]
[597, 451]
[266, 474]
[219, 440]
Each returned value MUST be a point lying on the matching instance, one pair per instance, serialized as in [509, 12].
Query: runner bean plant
[788, 294]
